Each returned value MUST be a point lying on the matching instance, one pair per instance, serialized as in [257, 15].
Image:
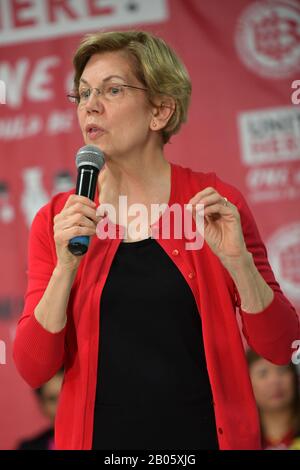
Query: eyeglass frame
[76, 98]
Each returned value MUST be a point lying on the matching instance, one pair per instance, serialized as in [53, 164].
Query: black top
[153, 390]
[43, 441]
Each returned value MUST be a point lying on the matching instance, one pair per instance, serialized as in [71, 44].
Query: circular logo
[284, 256]
[268, 38]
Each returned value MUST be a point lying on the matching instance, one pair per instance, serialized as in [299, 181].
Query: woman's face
[273, 385]
[121, 125]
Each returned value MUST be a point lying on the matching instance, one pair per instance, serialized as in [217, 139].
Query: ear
[162, 112]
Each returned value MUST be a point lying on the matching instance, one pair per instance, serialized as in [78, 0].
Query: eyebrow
[104, 80]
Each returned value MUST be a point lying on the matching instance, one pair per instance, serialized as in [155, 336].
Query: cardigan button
[175, 252]
[191, 275]
[220, 430]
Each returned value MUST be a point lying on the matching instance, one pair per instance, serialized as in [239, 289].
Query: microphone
[89, 161]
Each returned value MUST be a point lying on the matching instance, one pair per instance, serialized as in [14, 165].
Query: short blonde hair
[156, 65]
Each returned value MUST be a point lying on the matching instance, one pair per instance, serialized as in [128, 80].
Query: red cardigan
[38, 353]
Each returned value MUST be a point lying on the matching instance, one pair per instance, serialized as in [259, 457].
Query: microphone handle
[85, 186]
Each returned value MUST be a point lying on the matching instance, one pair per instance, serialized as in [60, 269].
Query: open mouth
[94, 132]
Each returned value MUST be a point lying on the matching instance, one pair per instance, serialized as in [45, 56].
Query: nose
[94, 102]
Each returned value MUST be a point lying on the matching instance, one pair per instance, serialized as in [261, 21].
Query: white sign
[41, 19]
[270, 135]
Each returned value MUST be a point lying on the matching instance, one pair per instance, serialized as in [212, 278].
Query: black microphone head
[90, 155]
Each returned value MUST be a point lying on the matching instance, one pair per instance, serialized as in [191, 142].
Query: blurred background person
[276, 390]
[47, 395]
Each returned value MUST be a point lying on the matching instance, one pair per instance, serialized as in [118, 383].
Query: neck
[276, 424]
[135, 174]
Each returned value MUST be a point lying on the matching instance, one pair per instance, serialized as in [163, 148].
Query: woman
[47, 396]
[163, 365]
[277, 394]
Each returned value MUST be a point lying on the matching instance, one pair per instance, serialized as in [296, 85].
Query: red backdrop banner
[243, 57]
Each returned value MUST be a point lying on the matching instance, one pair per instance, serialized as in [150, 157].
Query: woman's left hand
[222, 226]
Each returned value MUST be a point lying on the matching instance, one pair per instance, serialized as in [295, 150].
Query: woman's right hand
[78, 218]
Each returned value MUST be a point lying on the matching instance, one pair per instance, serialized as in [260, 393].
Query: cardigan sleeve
[38, 353]
[271, 332]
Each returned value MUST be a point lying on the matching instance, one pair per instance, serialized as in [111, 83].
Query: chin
[96, 143]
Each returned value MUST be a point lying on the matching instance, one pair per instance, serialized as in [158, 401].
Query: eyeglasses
[110, 91]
